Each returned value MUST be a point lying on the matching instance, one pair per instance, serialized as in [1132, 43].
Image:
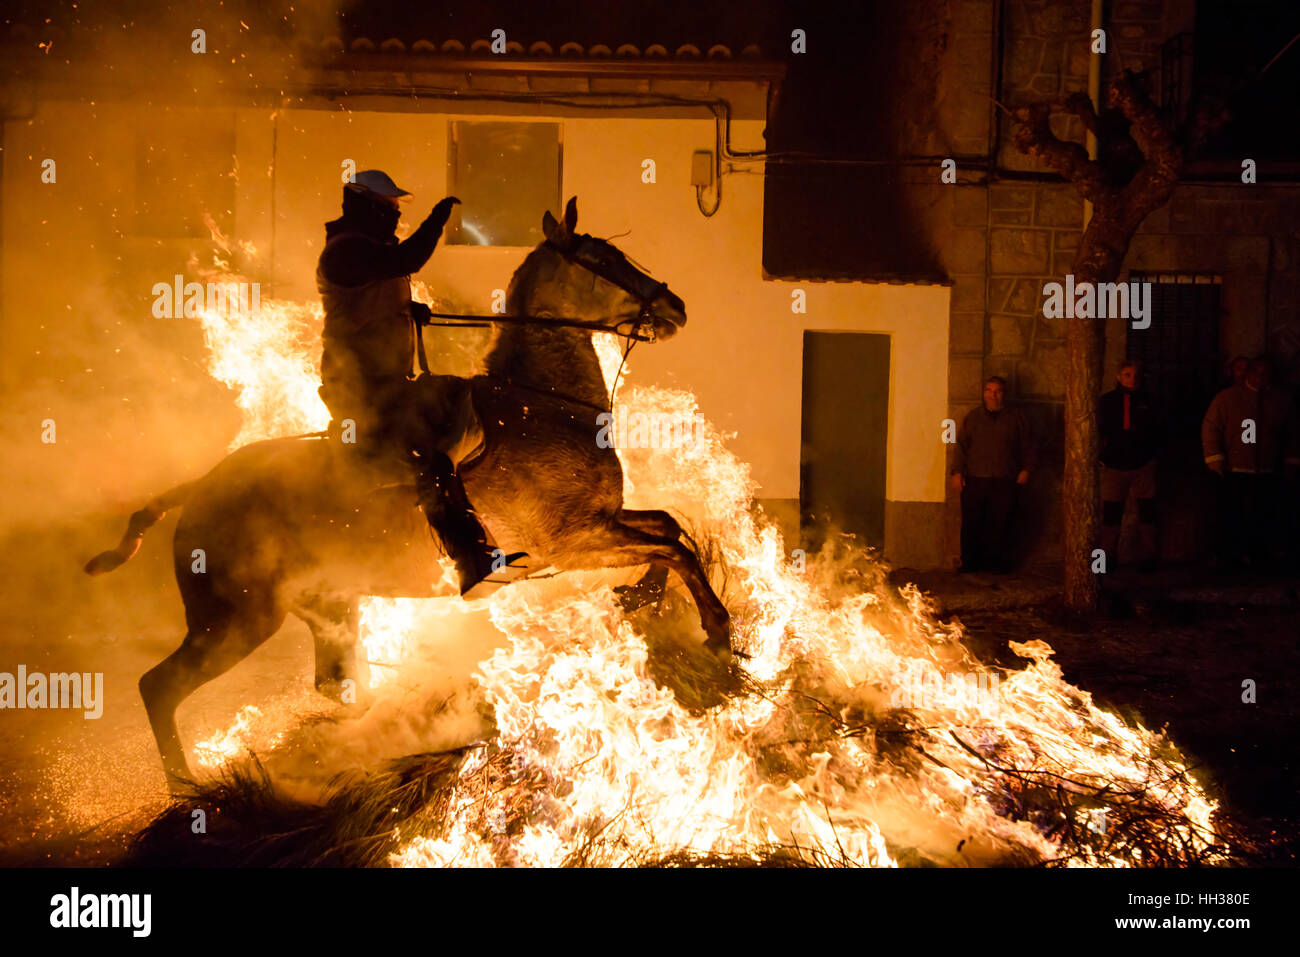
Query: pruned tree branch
[1157, 139]
[1140, 156]
[1033, 136]
[1080, 104]
[1154, 134]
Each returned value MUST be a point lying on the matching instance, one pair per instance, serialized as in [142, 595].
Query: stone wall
[1001, 238]
[1246, 233]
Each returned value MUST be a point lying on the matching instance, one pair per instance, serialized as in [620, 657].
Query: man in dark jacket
[994, 454]
[370, 340]
[1131, 433]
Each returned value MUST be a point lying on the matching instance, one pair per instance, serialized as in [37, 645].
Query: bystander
[994, 454]
[1131, 433]
[1250, 439]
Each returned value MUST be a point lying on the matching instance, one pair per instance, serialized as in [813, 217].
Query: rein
[549, 393]
[632, 338]
[591, 255]
[638, 332]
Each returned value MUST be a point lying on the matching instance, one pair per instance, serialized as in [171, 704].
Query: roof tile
[538, 48]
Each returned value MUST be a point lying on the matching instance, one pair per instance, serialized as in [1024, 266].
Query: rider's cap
[377, 182]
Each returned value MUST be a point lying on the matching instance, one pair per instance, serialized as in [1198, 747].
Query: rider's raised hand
[442, 211]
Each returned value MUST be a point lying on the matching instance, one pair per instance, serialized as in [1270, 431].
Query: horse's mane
[534, 353]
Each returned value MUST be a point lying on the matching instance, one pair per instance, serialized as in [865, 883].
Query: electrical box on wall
[702, 168]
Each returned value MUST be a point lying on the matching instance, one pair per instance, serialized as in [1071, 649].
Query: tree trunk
[1131, 129]
[1080, 492]
[1097, 261]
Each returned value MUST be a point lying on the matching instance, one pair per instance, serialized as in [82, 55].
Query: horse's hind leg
[616, 545]
[211, 648]
[653, 520]
[649, 588]
[336, 629]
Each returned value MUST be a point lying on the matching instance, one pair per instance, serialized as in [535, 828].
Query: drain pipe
[1094, 94]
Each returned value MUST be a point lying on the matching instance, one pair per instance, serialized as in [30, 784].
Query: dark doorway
[1182, 369]
[1179, 351]
[845, 422]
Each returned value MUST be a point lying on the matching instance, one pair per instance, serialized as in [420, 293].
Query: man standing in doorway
[1130, 439]
[994, 455]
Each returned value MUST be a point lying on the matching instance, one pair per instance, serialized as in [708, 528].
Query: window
[506, 176]
[1234, 41]
[184, 168]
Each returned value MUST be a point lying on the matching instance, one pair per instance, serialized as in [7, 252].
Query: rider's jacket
[369, 336]
[369, 345]
[363, 277]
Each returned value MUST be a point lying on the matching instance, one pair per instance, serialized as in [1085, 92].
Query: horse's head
[595, 279]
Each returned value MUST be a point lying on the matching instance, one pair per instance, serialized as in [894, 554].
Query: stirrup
[496, 579]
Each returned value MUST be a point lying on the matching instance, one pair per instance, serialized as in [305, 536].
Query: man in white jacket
[1250, 440]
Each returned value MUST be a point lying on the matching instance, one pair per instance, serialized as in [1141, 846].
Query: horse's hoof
[104, 562]
[340, 691]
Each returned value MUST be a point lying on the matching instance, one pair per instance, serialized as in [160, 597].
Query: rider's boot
[453, 520]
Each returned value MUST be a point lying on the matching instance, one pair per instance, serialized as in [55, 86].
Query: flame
[868, 734]
[575, 701]
[233, 742]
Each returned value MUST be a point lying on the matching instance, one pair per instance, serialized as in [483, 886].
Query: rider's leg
[435, 415]
[454, 521]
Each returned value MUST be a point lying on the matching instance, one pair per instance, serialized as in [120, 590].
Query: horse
[299, 526]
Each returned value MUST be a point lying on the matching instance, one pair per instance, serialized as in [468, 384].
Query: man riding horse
[371, 335]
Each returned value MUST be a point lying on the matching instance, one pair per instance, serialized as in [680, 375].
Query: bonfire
[854, 729]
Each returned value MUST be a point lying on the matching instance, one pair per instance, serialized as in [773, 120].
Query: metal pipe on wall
[1094, 93]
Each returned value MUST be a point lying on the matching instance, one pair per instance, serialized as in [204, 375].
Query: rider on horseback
[372, 329]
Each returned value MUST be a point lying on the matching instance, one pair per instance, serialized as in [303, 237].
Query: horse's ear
[549, 226]
[571, 215]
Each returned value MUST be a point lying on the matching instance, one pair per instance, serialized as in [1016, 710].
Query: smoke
[118, 138]
[112, 160]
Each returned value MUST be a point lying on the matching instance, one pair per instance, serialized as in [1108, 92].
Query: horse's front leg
[336, 631]
[616, 545]
[649, 588]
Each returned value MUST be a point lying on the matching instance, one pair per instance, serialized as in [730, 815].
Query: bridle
[600, 259]
[603, 260]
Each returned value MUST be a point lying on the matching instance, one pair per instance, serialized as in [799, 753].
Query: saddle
[429, 413]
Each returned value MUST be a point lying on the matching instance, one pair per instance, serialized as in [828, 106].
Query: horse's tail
[139, 523]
